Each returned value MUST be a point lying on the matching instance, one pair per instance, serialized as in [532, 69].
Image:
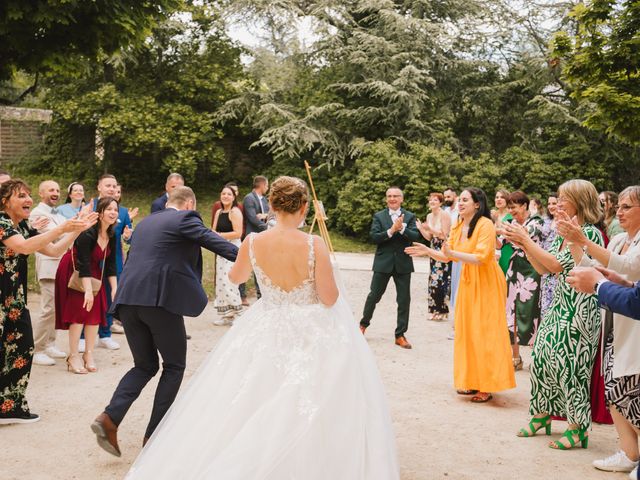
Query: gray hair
[174, 175]
[633, 192]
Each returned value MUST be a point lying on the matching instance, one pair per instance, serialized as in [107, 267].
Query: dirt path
[440, 434]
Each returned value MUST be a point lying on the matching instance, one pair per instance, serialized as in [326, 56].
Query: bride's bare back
[283, 256]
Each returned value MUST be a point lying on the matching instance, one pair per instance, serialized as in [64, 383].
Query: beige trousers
[44, 325]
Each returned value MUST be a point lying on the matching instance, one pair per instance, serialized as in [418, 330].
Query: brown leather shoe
[106, 434]
[363, 329]
[402, 342]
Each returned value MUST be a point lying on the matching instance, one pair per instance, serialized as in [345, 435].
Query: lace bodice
[303, 294]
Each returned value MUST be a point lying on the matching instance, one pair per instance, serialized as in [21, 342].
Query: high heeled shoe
[90, 366]
[73, 366]
[581, 433]
[536, 424]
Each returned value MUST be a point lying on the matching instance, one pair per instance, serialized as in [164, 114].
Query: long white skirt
[291, 392]
[227, 293]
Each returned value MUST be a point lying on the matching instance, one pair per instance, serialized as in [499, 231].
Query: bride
[291, 392]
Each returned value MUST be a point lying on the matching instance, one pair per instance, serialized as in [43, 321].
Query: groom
[159, 284]
[392, 230]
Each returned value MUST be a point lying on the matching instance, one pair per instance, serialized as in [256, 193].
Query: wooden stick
[317, 214]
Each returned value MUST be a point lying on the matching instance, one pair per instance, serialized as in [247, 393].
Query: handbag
[75, 282]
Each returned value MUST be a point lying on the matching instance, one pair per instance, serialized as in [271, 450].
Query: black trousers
[379, 283]
[149, 331]
[16, 355]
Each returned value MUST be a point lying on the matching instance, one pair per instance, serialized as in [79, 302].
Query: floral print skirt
[438, 283]
[16, 353]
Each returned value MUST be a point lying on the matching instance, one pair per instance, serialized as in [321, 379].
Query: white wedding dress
[291, 392]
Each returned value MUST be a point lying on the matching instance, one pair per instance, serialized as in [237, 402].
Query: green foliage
[602, 61]
[419, 171]
[42, 35]
[152, 107]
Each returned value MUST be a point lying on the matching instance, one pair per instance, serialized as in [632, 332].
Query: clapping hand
[126, 233]
[569, 228]
[423, 226]
[39, 223]
[417, 250]
[515, 233]
[133, 213]
[398, 224]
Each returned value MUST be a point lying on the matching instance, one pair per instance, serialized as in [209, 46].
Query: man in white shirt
[44, 331]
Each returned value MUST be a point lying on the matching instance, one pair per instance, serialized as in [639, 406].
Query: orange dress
[482, 353]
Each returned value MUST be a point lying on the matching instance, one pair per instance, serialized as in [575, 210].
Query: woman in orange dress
[482, 353]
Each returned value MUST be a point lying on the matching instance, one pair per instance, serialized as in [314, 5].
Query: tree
[153, 105]
[602, 65]
[43, 35]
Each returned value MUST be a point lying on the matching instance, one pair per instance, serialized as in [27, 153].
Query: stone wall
[21, 129]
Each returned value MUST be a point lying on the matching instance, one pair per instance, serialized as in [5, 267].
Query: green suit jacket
[390, 256]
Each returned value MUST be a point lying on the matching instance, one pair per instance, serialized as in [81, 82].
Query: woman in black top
[93, 255]
[228, 224]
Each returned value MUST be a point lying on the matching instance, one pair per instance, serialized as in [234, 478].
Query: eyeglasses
[625, 208]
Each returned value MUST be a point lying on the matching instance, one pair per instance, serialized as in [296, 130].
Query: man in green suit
[393, 229]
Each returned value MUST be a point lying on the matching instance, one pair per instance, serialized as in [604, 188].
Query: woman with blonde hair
[567, 339]
[282, 394]
[620, 334]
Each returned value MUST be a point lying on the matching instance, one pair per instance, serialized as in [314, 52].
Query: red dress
[69, 302]
[599, 409]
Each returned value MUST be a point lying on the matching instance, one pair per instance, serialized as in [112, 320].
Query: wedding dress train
[291, 392]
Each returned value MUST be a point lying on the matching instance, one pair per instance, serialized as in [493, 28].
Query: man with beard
[44, 330]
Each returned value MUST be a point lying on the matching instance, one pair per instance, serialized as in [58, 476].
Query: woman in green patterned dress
[567, 339]
[523, 282]
[501, 215]
[17, 240]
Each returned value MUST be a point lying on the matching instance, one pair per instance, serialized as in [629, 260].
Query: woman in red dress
[94, 255]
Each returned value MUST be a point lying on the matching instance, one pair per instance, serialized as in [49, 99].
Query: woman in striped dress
[567, 339]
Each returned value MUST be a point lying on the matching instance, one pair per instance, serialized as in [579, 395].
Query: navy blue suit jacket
[619, 299]
[159, 203]
[164, 265]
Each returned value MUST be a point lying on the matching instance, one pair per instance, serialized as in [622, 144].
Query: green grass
[143, 199]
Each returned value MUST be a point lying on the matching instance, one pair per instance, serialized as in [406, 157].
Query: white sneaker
[41, 358]
[81, 346]
[634, 474]
[618, 462]
[53, 352]
[109, 343]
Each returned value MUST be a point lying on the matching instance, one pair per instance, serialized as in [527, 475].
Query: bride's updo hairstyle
[288, 194]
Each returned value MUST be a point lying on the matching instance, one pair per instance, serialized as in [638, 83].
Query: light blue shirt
[68, 211]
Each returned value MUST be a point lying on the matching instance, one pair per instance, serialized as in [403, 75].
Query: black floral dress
[438, 280]
[16, 336]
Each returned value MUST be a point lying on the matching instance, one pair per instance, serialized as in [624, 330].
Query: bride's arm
[241, 270]
[325, 283]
